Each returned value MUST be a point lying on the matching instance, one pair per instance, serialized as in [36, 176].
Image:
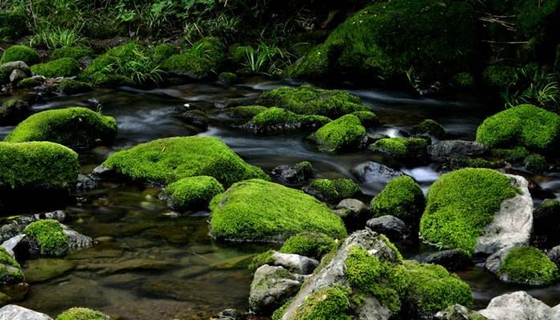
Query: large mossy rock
[170, 159]
[76, 127]
[527, 265]
[257, 210]
[20, 53]
[306, 100]
[477, 210]
[342, 133]
[277, 120]
[522, 126]
[63, 67]
[37, 166]
[402, 149]
[403, 198]
[437, 40]
[192, 193]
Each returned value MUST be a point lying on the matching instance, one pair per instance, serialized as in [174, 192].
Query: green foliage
[533, 85]
[525, 125]
[64, 67]
[74, 52]
[329, 303]
[37, 166]
[310, 244]
[170, 159]
[306, 100]
[12, 25]
[528, 265]
[500, 76]
[192, 193]
[346, 131]
[266, 59]
[223, 25]
[70, 86]
[402, 197]
[10, 270]
[257, 210]
[460, 204]
[76, 127]
[56, 37]
[20, 53]
[204, 58]
[164, 51]
[29, 83]
[81, 314]
[277, 120]
[49, 236]
[333, 191]
[401, 148]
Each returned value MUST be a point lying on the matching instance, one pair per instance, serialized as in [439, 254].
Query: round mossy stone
[82, 314]
[344, 132]
[192, 193]
[403, 198]
[20, 53]
[528, 265]
[49, 236]
[333, 191]
[63, 67]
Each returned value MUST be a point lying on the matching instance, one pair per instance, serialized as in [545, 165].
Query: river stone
[452, 260]
[296, 174]
[554, 255]
[230, 314]
[518, 305]
[452, 149]
[375, 172]
[271, 287]
[13, 312]
[76, 240]
[458, 312]
[298, 264]
[17, 75]
[355, 206]
[86, 183]
[494, 262]
[393, 227]
[512, 224]
[40, 270]
[546, 221]
[13, 112]
[11, 244]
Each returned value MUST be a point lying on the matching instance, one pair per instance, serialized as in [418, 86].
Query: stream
[153, 264]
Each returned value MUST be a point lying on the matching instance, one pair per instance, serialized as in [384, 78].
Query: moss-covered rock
[82, 314]
[13, 111]
[402, 149]
[71, 86]
[310, 244]
[333, 191]
[275, 120]
[10, 270]
[170, 159]
[460, 204]
[245, 112]
[528, 265]
[500, 76]
[164, 51]
[256, 210]
[306, 100]
[49, 236]
[330, 303]
[228, 78]
[192, 193]
[37, 166]
[30, 82]
[514, 155]
[342, 133]
[104, 80]
[63, 67]
[432, 128]
[525, 126]
[76, 127]
[367, 118]
[20, 53]
[202, 60]
[535, 163]
[403, 198]
[74, 52]
[12, 25]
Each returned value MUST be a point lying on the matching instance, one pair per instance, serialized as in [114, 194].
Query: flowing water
[152, 263]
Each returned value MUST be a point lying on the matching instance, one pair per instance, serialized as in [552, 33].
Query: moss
[12, 25]
[81, 314]
[245, 112]
[193, 193]
[37, 166]
[367, 118]
[64, 67]
[101, 63]
[228, 78]
[460, 204]
[535, 163]
[164, 51]
[329, 303]
[273, 120]
[516, 154]
[74, 52]
[10, 270]
[431, 127]
[260, 260]
[104, 80]
[500, 76]
[74, 127]
[401, 148]
[29, 82]
[525, 125]
[49, 236]
[528, 265]
[170, 159]
[257, 210]
[402, 197]
[20, 53]
[342, 133]
[203, 59]
[333, 191]
[71, 86]
[482, 163]
[306, 100]
[432, 288]
[310, 244]
[464, 80]
[239, 53]
[316, 64]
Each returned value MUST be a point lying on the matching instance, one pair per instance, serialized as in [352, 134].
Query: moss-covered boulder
[37, 166]
[63, 67]
[13, 112]
[522, 126]
[76, 127]
[48, 236]
[20, 53]
[79, 313]
[367, 118]
[201, 61]
[192, 193]
[257, 210]
[275, 120]
[74, 52]
[245, 112]
[333, 191]
[402, 149]
[528, 265]
[307, 100]
[403, 198]
[170, 159]
[10, 270]
[309, 244]
[460, 204]
[535, 163]
[163, 51]
[12, 25]
[343, 133]
[437, 41]
[430, 127]
[71, 86]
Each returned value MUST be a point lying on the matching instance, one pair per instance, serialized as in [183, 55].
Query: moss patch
[460, 204]
[402, 148]
[257, 210]
[329, 303]
[20, 53]
[170, 159]
[333, 191]
[49, 236]
[70, 86]
[245, 112]
[63, 67]
[402, 197]
[81, 314]
[203, 59]
[10, 270]
[367, 118]
[528, 265]
[164, 51]
[431, 127]
[193, 193]
[75, 127]
[76, 52]
[310, 244]
[273, 120]
[344, 132]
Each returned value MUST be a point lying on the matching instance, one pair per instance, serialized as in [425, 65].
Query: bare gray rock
[296, 263]
[393, 227]
[13, 312]
[518, 305]
[450, 149]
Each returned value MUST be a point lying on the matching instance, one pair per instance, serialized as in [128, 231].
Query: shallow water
[153, 264]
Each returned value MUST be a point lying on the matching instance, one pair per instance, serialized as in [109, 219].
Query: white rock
[518, 306]
[13, 312]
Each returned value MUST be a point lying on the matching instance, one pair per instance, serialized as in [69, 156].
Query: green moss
[29, 83]
[344, 132]
[525, 125]
[460, 204]
[516, 154]
[306, 100]
[329, 303]
[193, 193]
[37, 166]
[310, 244]
[49, 236]
[245, 112]
[401, 148]
[10, 270]
[20, 53]
[256, 210]
[317, 63]
[74, 52]
[431, 127]
[260, 260]
[239, 53]
[81, 314]
[203, 59]
[367, 118]
[74, 127]
[500, 76]
[64, 67]
[71, 86]
[170, 159]
[333, 191]
[101, 63]
[274, 120]
[402, 197]
[535, 163]
[228, 78]
[164, 51]
[528, 265]
[432, 288]
[12, 25]
[104, 80]
[482, 163]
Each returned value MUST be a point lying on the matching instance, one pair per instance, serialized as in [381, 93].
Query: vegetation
[274, 120]
[333, 191]
[402, 198]
[74, 52]
[401, 148]
[20, 53]
[329, 303]
[193, 193]
[63, 67]
[10, 270]
[528, 265]
[344, 132]
[81, 314]
[309, 244]
[49, 236]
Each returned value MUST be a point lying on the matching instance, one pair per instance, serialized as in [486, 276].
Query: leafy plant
[533, 85]
[56, 37]
[266, 59]
[140, 68]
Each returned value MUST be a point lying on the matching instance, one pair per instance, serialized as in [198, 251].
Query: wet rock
[296, 174]
[9, 231]
[458, 312]
[101, 172]
[518, 306]
[230, 314]
[332, 191]
[13, 112]
[86, 183]
[11, 244]
[452, 260]
[126, 265]
[17, 75]
[356, 206]
[294, 262]
[353, 211]
[393, 227]
[13, 312]
[45, 269]
[554, 255]
[9, 67]
[375, 172]
[76, 240]
[448, 149]
[195, 118]
[524, 265]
